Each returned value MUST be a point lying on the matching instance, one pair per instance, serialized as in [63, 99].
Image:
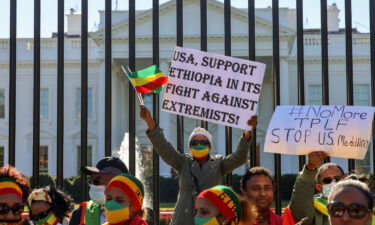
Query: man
[314, 176]
[258, 185]
[197, 170]
[98, 179]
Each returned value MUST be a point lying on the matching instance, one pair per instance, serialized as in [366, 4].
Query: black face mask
[11, 221]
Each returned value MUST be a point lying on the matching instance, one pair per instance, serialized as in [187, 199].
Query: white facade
[120, 86]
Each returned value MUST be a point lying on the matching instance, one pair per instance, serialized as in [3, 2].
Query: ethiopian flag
[148, 80]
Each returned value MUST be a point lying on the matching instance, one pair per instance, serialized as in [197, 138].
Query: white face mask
[96, 193]
[327, 188]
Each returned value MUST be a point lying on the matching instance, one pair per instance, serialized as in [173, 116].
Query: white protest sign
[341, 131]
[212, 87]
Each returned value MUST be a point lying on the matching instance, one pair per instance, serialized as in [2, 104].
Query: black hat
[111, 165]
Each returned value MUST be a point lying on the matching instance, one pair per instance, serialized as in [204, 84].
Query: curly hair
[20, 179]
[61, 202]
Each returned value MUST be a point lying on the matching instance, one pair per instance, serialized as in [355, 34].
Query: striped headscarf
[225, 200]
[131, 186]
[39, 195]
[9, 186]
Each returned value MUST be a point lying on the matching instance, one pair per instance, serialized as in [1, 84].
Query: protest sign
[341, 131]
[212, 87]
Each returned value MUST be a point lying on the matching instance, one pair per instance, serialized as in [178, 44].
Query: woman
[49, 206]
[123, 201]
[350, 202]
[197, 170]
[14, 189]
[221, 205]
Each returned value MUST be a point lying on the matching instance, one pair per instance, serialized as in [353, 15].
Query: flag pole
[140, 99]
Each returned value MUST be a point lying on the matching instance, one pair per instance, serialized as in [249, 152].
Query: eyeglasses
[17, 209]
[355, 210]
[91, 181]
[40, 215]
[328, 180]
[197, 142]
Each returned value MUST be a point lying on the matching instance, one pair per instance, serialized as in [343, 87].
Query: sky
[25, 13]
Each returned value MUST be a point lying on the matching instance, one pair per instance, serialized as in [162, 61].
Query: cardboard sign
[212, 87]
[341, 131]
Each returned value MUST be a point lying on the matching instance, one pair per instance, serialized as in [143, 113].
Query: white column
[101, 110]
[284, 81]
[164, 119]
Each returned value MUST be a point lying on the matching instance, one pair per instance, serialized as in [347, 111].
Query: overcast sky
[25, 12]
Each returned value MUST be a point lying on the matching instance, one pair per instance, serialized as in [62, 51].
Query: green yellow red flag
[147, 80]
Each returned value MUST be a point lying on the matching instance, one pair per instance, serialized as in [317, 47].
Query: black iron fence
[155, 52]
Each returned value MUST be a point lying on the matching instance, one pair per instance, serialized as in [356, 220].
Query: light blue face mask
[96, 193]
[327, 188]
[205, 221]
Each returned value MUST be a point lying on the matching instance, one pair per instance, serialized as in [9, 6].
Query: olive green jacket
[302, 202]
[210, 174]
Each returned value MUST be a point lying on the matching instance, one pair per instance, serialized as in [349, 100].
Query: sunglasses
[17, 209]
[41, 215]
[355, 210]
[91, 181]
[197, 142]
[328, 180]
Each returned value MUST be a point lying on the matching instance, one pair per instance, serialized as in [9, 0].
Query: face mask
[205, 221]
[327, 188]
[51, 219]
[200, 152]
[115, 212]
[10, 222]
[96, 193]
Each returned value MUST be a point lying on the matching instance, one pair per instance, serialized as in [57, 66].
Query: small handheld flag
[150, 79]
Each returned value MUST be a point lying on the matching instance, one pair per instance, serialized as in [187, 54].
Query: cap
[111, 165]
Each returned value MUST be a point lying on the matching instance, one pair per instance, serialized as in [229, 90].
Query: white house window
[90, 103]
[89, 157]
[1, 155]
[44, 106]
[361, 95]
[2, 103]
[315, 95]
[43, 159]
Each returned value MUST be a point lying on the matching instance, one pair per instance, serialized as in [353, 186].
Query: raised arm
[239, 157]
[164, 148]
[302, 202]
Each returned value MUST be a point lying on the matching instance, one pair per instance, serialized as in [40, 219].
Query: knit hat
[225, 200]
[201, 131]
[9, 186]
[131, 186]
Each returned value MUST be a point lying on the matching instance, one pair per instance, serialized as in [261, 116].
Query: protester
[123, 201]
[304, 205]
[14, 189]
[221, 205]
[197, 170]
[99, 176]
[258, 185]
[50, 206]
[350, 202]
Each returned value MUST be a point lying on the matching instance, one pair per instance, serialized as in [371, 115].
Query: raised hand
[253, 122]
[315, 159]
[146, 116]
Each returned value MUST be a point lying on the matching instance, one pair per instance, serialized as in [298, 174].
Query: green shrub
[168, 189]
[44, 180]
[287, 182]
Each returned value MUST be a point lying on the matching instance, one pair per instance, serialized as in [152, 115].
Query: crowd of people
[322, 193]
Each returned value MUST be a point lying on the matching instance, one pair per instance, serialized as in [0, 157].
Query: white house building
[288, 69]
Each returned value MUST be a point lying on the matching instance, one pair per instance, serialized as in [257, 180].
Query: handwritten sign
[341, 131]
[212, 87]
